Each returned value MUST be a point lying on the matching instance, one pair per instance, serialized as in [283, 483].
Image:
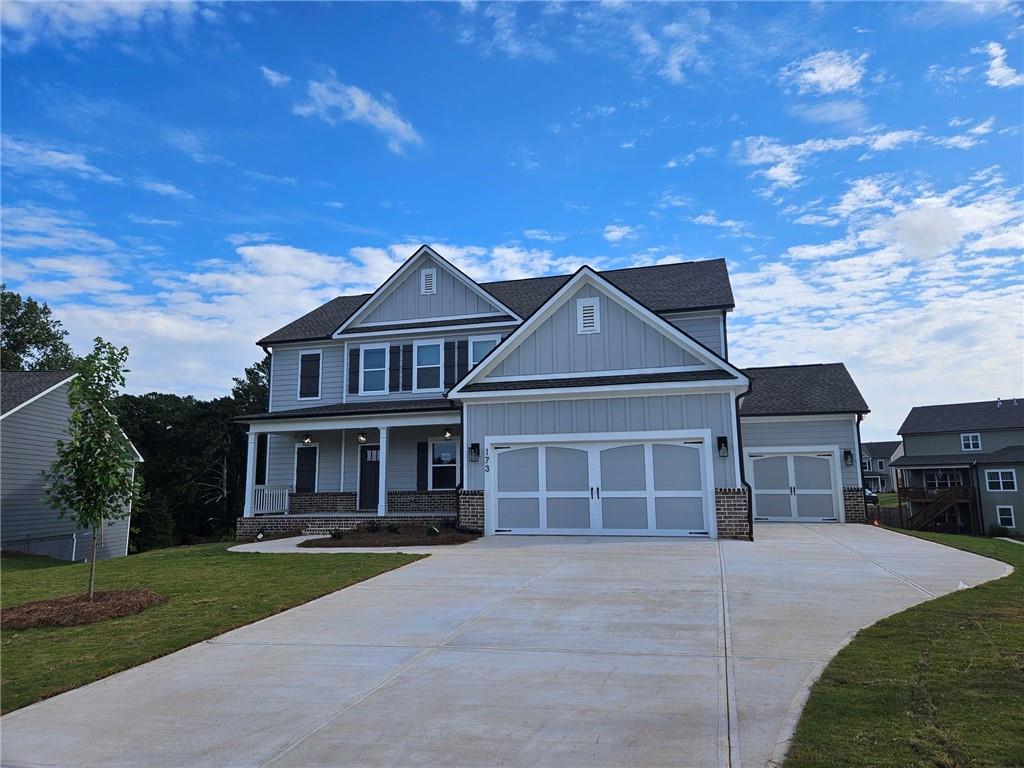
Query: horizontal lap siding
[841, 432]
[991, 499]
[706, 330]
[949, 442]
[281, 463]
[406, 302]
[661, 412]
[285, 377]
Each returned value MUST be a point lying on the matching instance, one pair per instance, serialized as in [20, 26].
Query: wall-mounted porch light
[474, 452]
[723, 446]
[307, 440]
[848, 458]
[447, 434]
[361, 438]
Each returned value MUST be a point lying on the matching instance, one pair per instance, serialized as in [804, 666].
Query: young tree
[31, 339]
[92, 478]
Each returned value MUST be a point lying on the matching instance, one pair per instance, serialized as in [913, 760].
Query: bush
[998, 530]
[373, 526]
[392, 528]
[432, 530]
[337, 533]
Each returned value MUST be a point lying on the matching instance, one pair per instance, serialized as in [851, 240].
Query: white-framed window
[443, 471]
[427, 366]
[865, 464]
[307, 467]
[881, 465]
[479, 346]
[588, 315]
[373, 369]
[938, 478]
[428, 281]
[1004, 513]
[970, 441]
[310, 374]
[1001, 479]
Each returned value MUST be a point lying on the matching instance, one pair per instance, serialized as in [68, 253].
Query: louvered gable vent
[588, 315]
[428, 281]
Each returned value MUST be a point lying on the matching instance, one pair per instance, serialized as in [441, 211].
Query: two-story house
[591, 403]
[961, 466]
[876, 465]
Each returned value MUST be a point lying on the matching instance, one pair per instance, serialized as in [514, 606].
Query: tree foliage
[31, 339]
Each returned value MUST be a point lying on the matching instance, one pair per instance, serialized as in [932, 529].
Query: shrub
[392, 528]
[337, 533]
[998, 530]
[373, 526]
[432, 530]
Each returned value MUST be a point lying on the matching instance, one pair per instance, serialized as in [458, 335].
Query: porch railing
[919, 494]
[270, 499]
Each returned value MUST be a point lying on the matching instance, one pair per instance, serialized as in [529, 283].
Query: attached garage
[643, 484]
[789, 485]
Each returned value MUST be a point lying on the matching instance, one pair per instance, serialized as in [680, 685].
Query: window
[881, 465]
[941, 479]
[970, 441]
[865, 464]
[427, 366]
[428, 281]
[1001, 479]
[588, 315]
[444, 464]
[306, 468]
[374, 367]
[309, 375]
[1005, 515]
[479, 346]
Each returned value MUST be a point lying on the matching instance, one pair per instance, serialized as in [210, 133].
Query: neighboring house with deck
[962, 465]
[34, 413]
[591, 403]
[876, 465]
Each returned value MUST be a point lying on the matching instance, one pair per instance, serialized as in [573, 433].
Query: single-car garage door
[643, 487]
[794, 486]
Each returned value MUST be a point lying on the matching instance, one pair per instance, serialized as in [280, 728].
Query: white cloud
[1000, 74]
[945, 78]
[848, 112]
[543, 235]
[331, 101]
[690, 157]
[28, 156]
[825, 72]
[732, 227]
[614, 233]
[287, 180]
[497, 29]
[36, 228]
[275, 78]
[195, 144]
[242, 238]
[165, 188]
[337, 204]
[983, 127]
[673, 50]
[151, 221]
[628, 144]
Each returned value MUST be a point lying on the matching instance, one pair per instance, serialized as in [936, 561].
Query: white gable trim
[403, 271]
[587, 275]
[42, 394]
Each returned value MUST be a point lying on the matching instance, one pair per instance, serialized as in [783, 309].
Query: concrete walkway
[515, 651]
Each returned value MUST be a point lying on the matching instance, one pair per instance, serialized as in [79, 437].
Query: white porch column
[250, 475]
[382, 489]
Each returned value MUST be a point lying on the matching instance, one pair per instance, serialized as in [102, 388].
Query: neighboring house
[962, 466]
[34, 415]
[876, 461]
[591, 403]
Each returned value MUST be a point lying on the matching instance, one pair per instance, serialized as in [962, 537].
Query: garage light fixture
[723, 446]
[361, 438]
[307, 440]
[848, 458]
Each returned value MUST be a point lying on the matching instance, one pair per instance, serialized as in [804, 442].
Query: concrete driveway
[522, 651]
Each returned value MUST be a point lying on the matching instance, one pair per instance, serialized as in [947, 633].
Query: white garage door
[649, 488]
[794, 486]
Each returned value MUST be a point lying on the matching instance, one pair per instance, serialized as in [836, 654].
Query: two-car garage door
[644, 487]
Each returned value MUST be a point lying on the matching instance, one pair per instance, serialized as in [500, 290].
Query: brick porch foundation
[471, 510]
[732, 509]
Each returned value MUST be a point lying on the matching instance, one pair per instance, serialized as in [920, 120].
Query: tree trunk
[92, 567]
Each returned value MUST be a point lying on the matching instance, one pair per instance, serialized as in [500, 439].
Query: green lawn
[211, 591]
[940, 684]
[887, 500]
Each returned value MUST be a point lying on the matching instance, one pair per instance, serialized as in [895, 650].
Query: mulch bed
[78, 609]
[407, 536]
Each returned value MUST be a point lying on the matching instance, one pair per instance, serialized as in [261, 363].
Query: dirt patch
[405, 536]
[78, 609]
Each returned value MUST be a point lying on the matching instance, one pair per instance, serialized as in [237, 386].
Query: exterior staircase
[938, 505]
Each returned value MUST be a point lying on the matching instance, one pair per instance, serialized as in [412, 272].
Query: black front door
[369, 476]
[305, 468]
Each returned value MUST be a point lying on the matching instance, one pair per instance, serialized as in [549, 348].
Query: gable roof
[802, 390]
[18, 388]
[683, 287]
[881, 450]
[964, 417]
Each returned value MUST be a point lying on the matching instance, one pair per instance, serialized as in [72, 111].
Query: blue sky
[184, 178]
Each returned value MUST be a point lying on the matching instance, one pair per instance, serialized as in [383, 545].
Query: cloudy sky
[184, 178]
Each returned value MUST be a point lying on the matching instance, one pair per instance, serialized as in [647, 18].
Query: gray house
[962, 466]
[34, 414]
[876, 465]
[592, 403]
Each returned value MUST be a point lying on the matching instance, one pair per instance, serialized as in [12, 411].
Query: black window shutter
[407, 368]
[463, 358]
[395, 366]
[421, 466]
[449, 364]
[353, 371]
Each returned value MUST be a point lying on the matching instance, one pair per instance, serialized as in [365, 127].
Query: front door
[369, 477]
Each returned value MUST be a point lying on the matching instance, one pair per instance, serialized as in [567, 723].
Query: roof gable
[19, 388]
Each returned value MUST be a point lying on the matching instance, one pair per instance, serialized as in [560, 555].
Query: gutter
[742, 463]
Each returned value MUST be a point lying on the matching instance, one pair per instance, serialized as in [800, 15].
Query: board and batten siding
[452, 298]
[625, 342]
[758, 433]
[617, 414]
[707, 329]
[28, 446]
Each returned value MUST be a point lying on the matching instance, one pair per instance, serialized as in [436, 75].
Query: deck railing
[270, 499]
[919, 494]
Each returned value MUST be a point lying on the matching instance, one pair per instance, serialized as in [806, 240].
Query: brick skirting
[321, 525]
[855, 505]
[732, 510]
[321, 502]
[471, 510]
[434, 502]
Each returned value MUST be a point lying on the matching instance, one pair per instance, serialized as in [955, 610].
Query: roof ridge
[602, 271]
[795, 365]
[971, 402]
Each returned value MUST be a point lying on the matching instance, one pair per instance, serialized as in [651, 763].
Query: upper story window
[428, 281]
[970, 441]
[427, 366]
[374, 369]
[309, 374]
[1001, 479]
[881, 464]
[479, 346]
[588, 315]
[865, 464]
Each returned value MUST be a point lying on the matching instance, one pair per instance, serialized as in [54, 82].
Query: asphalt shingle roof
[598, 381]
[798, 390]
[17, 387]
[1011, 454]
[688, 286]
[881, 450]
[964, 417]
[352, 409]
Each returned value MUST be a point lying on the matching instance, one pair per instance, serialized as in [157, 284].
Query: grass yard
[887, 500]
[211, 591]
[940, 684]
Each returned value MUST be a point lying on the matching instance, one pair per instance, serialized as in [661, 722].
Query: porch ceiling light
[306, 439]
[361, 438]
[447, 434]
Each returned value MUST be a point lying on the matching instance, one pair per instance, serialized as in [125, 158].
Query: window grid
[1005, 516]
[970, 441]
[1001, 479]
